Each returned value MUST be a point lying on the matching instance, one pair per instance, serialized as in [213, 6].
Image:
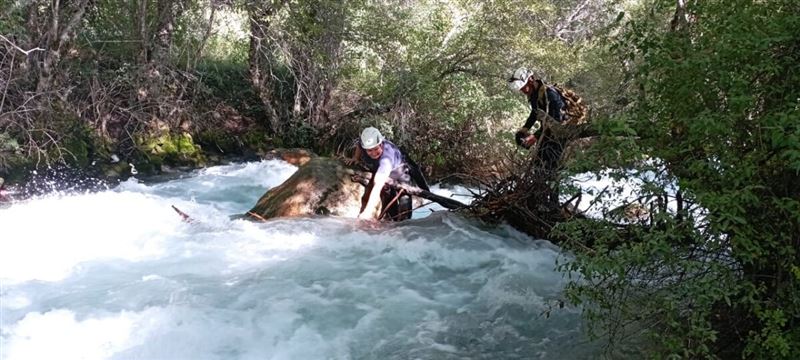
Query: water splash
[124, 277]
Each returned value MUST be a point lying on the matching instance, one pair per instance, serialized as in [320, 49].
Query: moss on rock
[169, 149]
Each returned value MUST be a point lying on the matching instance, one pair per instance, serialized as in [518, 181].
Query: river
[117, 274]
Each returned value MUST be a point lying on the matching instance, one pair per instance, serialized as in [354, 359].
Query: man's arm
[379, 180]
[531, 120]
[524, 137]
[374, 196]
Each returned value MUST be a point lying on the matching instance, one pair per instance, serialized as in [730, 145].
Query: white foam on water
[119, 275]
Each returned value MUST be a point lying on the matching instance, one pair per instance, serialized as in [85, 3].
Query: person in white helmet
[547, 106]
[386, 160]
[541, 97]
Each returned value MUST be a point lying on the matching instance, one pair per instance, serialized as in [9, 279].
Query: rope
[386, 208]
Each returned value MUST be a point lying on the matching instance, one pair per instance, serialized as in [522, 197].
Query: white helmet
[518, 79]
[371, 138]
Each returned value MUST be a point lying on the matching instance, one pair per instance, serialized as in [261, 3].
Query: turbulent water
[117, 275]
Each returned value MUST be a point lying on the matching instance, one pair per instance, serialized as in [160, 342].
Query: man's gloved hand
[529, 141]
[524, 138]
[348, 161]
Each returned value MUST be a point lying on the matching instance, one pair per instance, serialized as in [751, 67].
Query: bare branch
[576, 15]
[207, 35]
[26, 52]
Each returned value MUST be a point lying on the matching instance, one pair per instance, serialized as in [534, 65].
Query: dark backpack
[575, 111]
[414, 171]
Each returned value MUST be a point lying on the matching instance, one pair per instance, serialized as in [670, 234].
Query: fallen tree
[527, 197]
[413, 190]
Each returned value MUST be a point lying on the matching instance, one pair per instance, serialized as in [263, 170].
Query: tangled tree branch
[529, 197]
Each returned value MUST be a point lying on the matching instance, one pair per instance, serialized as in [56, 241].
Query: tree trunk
[446, 202]
[205, 38]
[162, 43]
[141, 31]
[33, 29]
[55, 37]
[260, 70]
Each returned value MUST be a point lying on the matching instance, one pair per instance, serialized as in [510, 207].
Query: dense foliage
[161, 82]
[712, 270]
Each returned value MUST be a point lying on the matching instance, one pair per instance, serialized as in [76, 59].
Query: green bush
[715, 106]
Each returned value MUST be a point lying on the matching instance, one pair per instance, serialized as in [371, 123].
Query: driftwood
[413, 190]
[184, 216]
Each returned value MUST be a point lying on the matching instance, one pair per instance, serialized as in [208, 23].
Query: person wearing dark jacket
[545, 101]
[386, 160]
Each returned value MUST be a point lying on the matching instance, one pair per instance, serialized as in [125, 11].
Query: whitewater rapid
[118, 275]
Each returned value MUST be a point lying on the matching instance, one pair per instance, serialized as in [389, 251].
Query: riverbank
[26, 182]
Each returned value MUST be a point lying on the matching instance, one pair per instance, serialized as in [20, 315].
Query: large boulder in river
[321, 185]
